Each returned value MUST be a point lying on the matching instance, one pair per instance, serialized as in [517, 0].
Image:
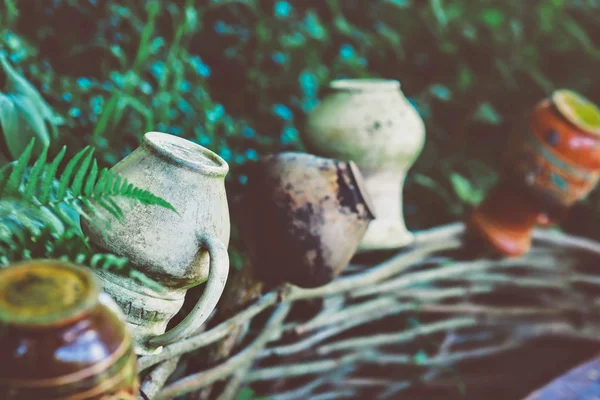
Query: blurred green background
[240, 76]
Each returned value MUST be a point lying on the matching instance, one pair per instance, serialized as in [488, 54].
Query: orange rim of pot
[578, 110]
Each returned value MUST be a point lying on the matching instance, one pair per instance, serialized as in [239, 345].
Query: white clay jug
[179, 249]
[370, 122]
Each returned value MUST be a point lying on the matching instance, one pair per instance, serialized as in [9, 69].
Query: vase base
[385, 235]
[147, 315]
[506, 241]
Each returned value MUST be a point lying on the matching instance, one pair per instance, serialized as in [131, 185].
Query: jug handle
[217, 277]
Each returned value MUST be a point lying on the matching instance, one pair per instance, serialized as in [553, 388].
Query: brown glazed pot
[312, 214]
[61, 337]
[551, 165]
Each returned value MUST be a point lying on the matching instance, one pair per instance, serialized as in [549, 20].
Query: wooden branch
[201, 379]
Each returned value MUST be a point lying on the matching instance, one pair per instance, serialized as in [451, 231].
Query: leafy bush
[239, 76]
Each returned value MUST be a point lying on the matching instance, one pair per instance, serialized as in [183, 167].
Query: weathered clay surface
[370, 122]
[170, 247]
[313, 214]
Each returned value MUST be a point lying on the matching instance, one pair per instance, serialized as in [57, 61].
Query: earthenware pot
[179, 249]
[60, 337]
[313, 213]
[551, 165]
[370, 122]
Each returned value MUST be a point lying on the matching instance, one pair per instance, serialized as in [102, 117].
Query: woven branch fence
[433, 321]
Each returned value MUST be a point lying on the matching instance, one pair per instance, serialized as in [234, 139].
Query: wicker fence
[433, 321]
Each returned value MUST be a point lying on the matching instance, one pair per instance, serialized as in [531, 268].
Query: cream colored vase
[370, 122]
[177, 249]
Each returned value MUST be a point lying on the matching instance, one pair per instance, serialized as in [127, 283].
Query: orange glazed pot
[60, 337]
[551, 166]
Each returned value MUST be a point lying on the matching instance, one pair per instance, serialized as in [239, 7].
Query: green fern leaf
[82, 212]
[81, 173]
[35, 174]
[128, 190]
[57, 210]
[18, 171]
[116, 189]
[49, 174]
[101, 185]
[145, 197]
[4, 174]
[115, 206]
[101, 201]
[91, 179]
[108, 181]
[65, 177]
[104, 183]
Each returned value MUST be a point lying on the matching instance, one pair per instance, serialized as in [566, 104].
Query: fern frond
[26, 244]
[91, 179]
[18, 171]
[4, 174]
[49, 175]
[81, 174]
[81, 186]
[35, 174]
[65, 177]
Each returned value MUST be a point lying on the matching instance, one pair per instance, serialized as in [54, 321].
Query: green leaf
[91, 179]
[116, 189]
[36, 173]
[65, 178]
[420, 358]
[438, 11]
[24, 115]
[4, 175]
[488, 114]
[465, 77]
[576, 31]
[81, 173]
[465, 191]
[492, 17]
[18, 171]
[245, 394]
[49, 174]
[441, 92]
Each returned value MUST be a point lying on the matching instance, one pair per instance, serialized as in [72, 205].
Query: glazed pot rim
[572, 116]
[88, 301]
[180, 152]
[365, 85]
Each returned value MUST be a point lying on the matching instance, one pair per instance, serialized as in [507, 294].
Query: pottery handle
[217, 277]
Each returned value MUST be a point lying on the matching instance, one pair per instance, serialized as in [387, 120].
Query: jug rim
[365, 85]
[180, 151]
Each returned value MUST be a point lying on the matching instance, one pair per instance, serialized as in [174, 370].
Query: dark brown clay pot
[312, 214]
[553, 164]
[61, 337]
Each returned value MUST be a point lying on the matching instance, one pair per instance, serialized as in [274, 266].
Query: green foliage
[240, 76]
[39, 209]
[27, 241]
[80, 186]
[23, 113]
[248, 394]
